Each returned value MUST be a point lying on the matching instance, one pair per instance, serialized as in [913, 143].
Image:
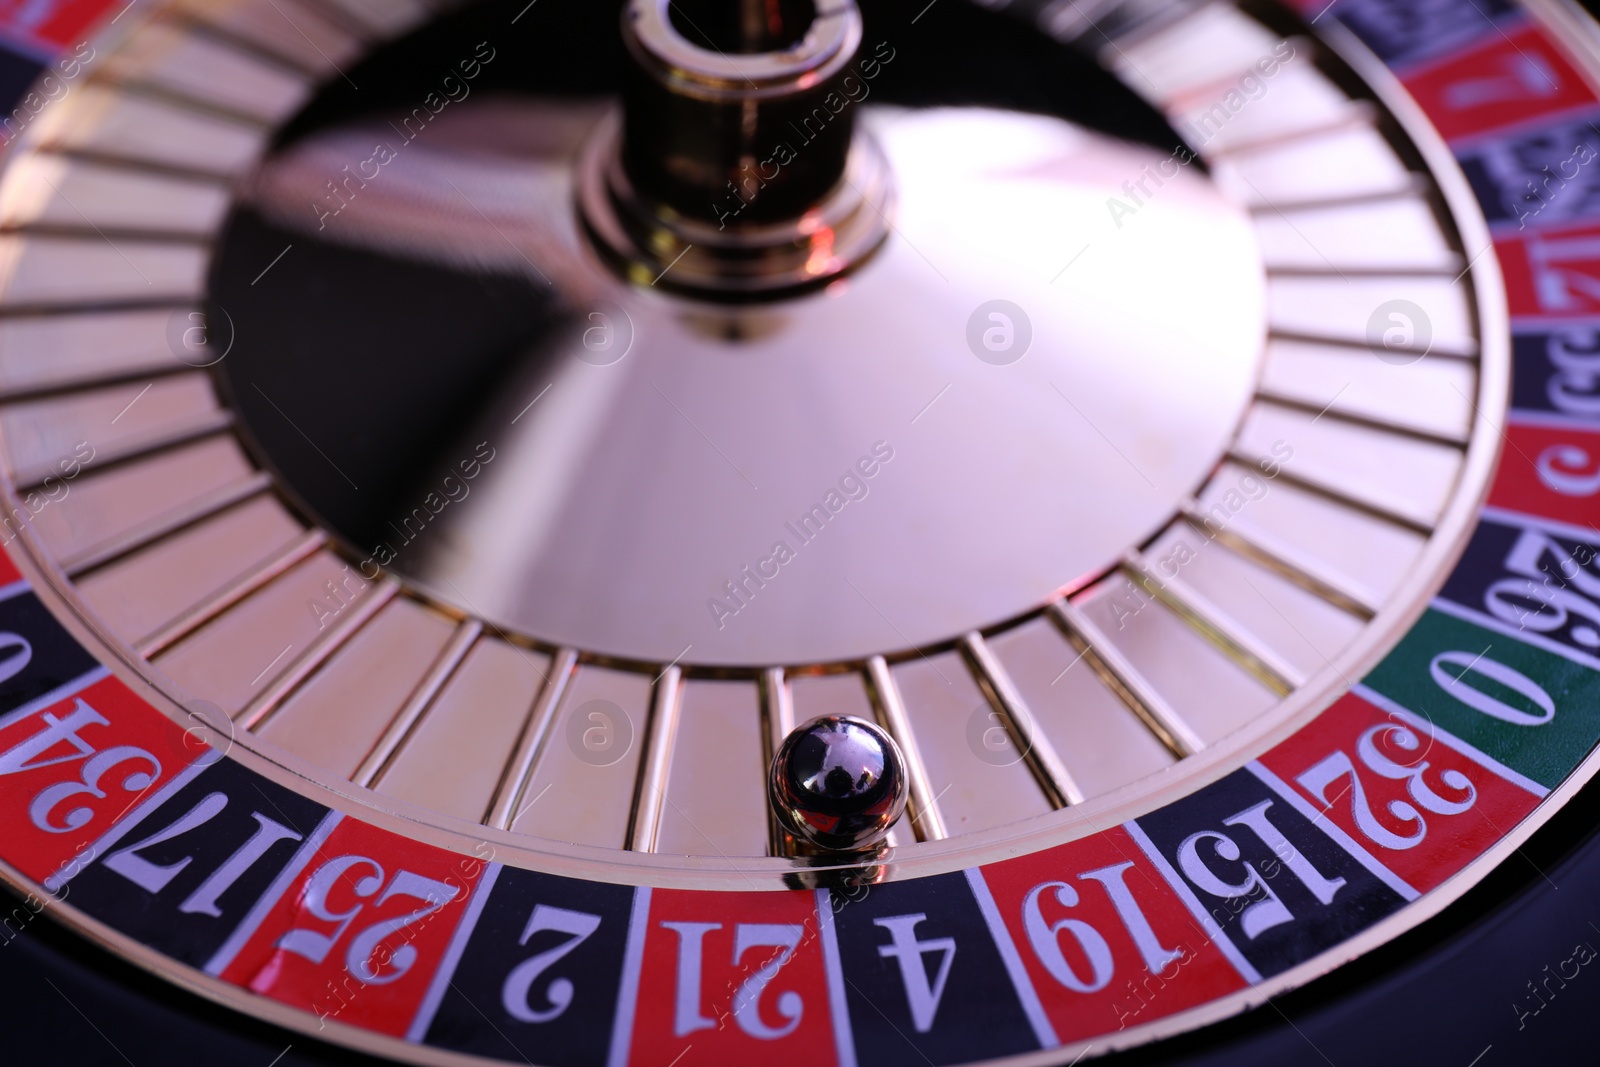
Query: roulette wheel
[821, 532]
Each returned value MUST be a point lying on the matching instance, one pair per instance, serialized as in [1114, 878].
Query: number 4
[904, 947]
[28, 755]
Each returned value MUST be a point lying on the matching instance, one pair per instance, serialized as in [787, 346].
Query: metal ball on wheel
[839, 783]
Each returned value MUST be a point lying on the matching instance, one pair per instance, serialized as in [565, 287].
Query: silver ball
[839, 783]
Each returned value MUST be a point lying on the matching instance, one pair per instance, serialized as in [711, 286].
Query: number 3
[45, 804]
[1318, 778]
[1565, 468]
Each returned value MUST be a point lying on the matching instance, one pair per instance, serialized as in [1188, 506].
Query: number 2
[315, 946]
[1318, 778]
[514, 996]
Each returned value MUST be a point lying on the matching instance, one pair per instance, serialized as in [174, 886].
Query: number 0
[1456, 685]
